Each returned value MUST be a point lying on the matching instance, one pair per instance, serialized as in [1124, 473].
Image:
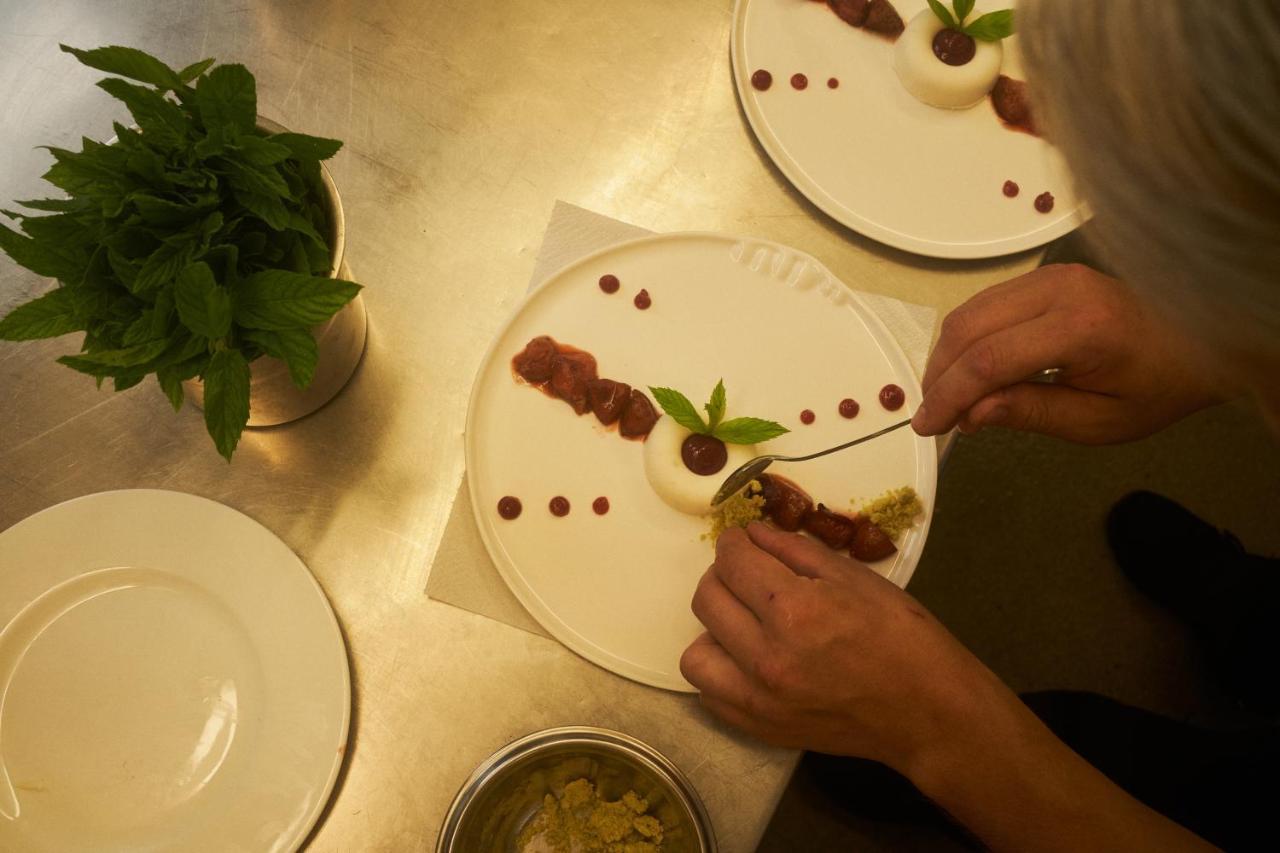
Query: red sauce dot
[1010, 189]
[807, 416]
[559, 506]
[1044, 202]
[833, 83]
[642, 300]
[600, 505]
[762, 80]
[892, 397]
[799, 82]
[849, 407]
[509, 508]
[609, 283]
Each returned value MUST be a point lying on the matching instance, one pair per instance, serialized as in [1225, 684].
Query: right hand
[1126, 372]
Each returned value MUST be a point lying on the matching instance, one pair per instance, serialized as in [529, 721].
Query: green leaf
[131, 356]
[127, 380]
[160, 120]
[127, 62]
[227, 97]
[992, 26]
[47, 316]
[58, 205]
[40, 257]
[304, 147]
[943, 13]
[226, 399]
[963, 8]
[295, 347]
[715, 406]
[194, 70]
[276, 299]
[162, 266]
[259, 151]
[171, 385]
[203, 306]
[83, 174]
[163, 212]
[679, 408]
[748, 431]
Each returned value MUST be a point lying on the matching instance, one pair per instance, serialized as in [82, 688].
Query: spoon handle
[888, 429]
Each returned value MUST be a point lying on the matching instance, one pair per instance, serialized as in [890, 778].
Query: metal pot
[506, 791]
[273, 398]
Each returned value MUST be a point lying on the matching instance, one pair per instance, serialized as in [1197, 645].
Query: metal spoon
[748, 472]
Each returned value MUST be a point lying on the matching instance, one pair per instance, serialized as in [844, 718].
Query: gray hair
[1168, 114]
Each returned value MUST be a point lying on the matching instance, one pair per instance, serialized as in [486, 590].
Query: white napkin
[463, 575]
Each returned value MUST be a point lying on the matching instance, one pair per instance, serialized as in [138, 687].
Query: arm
[1126, 371]
[808, 649]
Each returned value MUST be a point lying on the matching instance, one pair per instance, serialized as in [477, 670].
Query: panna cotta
[666, 465]
[943, 67]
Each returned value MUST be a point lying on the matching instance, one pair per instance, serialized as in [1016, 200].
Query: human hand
[1125, 371]
[807, 648]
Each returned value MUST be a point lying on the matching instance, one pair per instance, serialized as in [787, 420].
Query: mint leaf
[203, 306]
[943, 13]
[162, 266]
[228, 97]
[171, 384]
[259, 151]
[131, 356]
[127, 62]
[159, 119]
[748, 431]
[226, 399]
[276, 299]
[992, 26]
[295, 347]
[963, 8]
[39, 257]
[194, 70]
[46, 317]
[679, 408]
[303, 147]
[715, 406]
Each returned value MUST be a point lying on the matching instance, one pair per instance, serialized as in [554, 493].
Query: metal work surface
[463, 124]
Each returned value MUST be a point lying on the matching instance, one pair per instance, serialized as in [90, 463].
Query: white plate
[173, 679]
[873, 157]
[616, 588]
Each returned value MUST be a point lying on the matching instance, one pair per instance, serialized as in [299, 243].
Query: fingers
[752, 575]
[802, 555]
[728, 620]
[1060, 411]
[707, 666]
[1010, 303]
[1002, 358]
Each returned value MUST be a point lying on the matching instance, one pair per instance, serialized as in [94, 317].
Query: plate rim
[545, 618]
[849, 218]
[309, 824]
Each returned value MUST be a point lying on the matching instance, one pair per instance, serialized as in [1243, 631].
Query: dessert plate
[875, 159]
[171, 678]
[783, 333]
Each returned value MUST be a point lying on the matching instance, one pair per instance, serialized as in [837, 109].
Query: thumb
[1056, 410]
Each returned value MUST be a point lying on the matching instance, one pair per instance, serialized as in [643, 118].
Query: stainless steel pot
[506, 791]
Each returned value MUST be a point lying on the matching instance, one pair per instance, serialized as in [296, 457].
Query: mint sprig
[187, 248]
[992, 26]
[736, 431]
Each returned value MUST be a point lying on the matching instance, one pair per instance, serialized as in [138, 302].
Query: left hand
[806, 648]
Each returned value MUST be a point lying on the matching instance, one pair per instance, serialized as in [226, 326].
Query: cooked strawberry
[834, 529]
[852, 12]
[784, 501]
[1011, 102]
[570, 373]
[533, 363]
[870, 543]
[608, 399]
[882, 18]
[639, 416]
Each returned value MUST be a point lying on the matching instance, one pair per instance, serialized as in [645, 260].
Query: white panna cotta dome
[936, 83]
[679, 487]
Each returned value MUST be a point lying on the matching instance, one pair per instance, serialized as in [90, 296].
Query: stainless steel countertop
[463, 123]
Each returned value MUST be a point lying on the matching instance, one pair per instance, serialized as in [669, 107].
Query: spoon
[749, 471]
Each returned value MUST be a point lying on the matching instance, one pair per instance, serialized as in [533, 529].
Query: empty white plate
[171, 678]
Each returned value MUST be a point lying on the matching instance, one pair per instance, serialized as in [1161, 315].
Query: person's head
[1168, 115]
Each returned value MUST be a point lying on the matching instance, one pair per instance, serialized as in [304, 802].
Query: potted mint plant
[194, 245]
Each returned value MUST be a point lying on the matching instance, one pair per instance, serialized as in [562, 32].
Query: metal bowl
[506, 791]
